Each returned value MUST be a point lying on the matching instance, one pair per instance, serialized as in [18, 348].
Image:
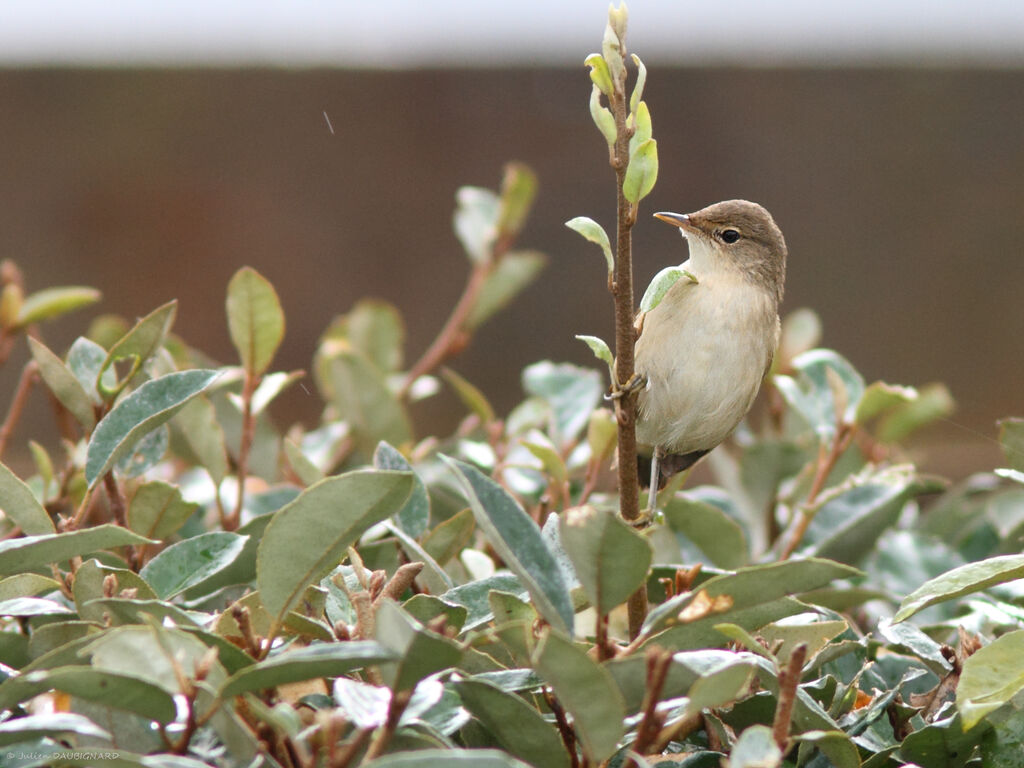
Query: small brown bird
[706, 347]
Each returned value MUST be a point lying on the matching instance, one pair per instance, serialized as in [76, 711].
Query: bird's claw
[636, 382]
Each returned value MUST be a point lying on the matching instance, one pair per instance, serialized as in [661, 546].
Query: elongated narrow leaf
[190, 562]
[28, 552]
[29, 728]
[518, 542]
[447, 758]
[420, 652]
[661, 284]
[53, 302]
[414, 516]
[602, 116]
[610, 558]
[518, 727]
[20, 505]
[64, 385]
[197, 424]
[143, 410]
[255, 319]
[595, 233]
[308, 537]
[314, 661]
[513, 273]
[586, 690]
[476, 221]
[115, 690]
[137, 345]
[964, 580]
[642, 171]
[518, 189]
[471, 397]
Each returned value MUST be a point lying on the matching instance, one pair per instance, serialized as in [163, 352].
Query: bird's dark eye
[730, 235]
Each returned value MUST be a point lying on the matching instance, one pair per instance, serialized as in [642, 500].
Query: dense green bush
[183, 584]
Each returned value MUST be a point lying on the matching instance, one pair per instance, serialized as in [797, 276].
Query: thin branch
[399, 701]
[789, 679]
[29, 376]
[231, 522]
[658, 661]
[564, 729]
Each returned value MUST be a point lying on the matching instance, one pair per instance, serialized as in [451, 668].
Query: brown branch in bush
[789, 679]
[231, 521]
[400, 581]
[658, 661]
[399, 701]
[29, 376]
[564, 729]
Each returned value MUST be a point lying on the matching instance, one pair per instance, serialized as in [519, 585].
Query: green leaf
[755, 748]
[1011, 440]
[595, 233]
[720, 684]
[85, 360]
[474, 597]
[610, 558]
[944, 743]
[122, 692]
[510, 276]
[145, 453]
[611, 45]
[933, 402]
[602, 117]
[415, 515]
[364, 401]
[20, 505]
[308, 663]
[837, 746]
[961, 581]
[991, 677]
[600, 350]
[599, 74]
[29, 552]
[26, 585]
[830, 390]
[24, 729]
[157, 510]
[660, 285]
[198, 426]
[571, 393]
[713, 531]
[471, 397]
[518, 189]
[552, 462]
[641, 80]
[375, 328]
[64, 385]
[586, 691]
[420, 653]
[641, 121]
[144, 338]
[880, 397]
[447, 539]
[271, 385]
[518, 541]
[476, 221]
[446, 758]
[255, 320]
[31, 606]
[142, 411]
[801, 332]
[53, 302]
[309, 536]
[642, 171]
[190, 562]
[518, 728]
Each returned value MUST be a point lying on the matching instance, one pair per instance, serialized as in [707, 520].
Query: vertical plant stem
[789, 679]
[625, 339]
[231, 522]
[29, 375]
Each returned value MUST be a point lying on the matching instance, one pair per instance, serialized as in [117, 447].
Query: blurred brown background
[900, 192]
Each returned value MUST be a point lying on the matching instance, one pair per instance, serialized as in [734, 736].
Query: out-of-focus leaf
[510, 276]
[375, 328]
[599, 74]
[364, 401]
[801, 332]
[476, 221]
[642, 171]
[414, 516]
[755, 748]
[602, 433]
[24, 729]
[420, 653]
[445, 540]
[64, 385]
[309, 536]
[115, 690]
[270, 386]
[26, 585]
[518, 189]
[197, 424]
[53, 302]
[29, 552]
[446, 758]
[538, 444]
[190, 562]
[815, 635]
[829, 390]
[518, 542]
[137, 345]
[255, 320]
[518, 727]
[587, 692]
[610, 558]
[310, 662]
[595, 233]
[837, 746]
[31, 606]
[880, 397]
[157, 510]
[571, 393]
[21, 506]
[143, 410]
[961, 581]
[991, 677]
[933, 402]
[471, 397]
[714, 532]
[1011, 439]
[306, 471]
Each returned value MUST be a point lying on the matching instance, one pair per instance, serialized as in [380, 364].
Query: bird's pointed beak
[680, 220]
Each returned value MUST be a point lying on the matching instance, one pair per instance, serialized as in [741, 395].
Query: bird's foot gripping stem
[618, 391]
